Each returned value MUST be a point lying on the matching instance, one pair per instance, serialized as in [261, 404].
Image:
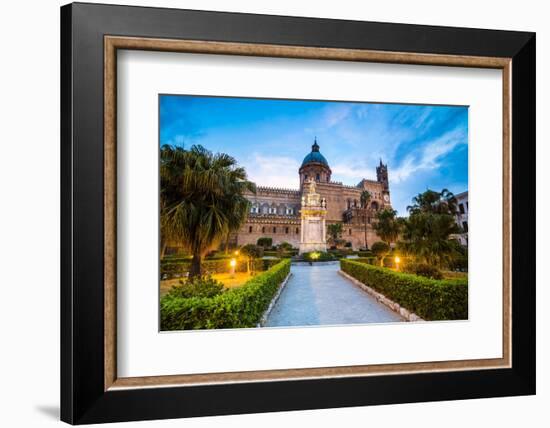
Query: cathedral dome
[315, 156]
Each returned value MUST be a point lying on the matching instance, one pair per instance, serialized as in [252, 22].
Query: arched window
[374, 205]
[297, 230]
[286, 229]
[263, 229]
[249, 229]
[274, 230]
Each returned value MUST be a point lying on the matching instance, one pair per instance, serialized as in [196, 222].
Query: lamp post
[397, 261]
[233, 263]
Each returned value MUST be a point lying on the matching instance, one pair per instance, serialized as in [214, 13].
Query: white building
[462, 216]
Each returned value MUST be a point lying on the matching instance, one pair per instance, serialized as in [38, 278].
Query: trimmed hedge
[281, 254]
[428, 298]
[235, 308]
[169, 269]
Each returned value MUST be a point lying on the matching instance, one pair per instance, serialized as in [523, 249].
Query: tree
[380, 249]
[365, 199]
[334, 231]
[265, 242]
[443, 202]
[388, 227]
[427, 236]
[252, 253]
[202, 199]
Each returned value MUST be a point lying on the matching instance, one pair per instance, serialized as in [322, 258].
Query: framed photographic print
[266, 213]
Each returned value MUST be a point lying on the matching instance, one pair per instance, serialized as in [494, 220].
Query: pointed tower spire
[315, 147]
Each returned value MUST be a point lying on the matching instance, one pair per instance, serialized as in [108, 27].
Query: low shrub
[285, 246]
[281, 254]
[423, 269]
[363, 253]
[197, 287]
[318, 256]
[265, 242]
[211, 267]
[235, 308]
[428, 298]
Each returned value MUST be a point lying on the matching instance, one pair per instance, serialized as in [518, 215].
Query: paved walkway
[318, 295]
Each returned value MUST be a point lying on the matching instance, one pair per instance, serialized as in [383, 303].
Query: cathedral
[278, 213]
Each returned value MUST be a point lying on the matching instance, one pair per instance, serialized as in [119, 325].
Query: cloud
[430, 156]
[273, 171]
[352, 172]
[335, 114]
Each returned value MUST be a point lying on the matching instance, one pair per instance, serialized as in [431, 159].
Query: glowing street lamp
[397, 261]
[233, 263]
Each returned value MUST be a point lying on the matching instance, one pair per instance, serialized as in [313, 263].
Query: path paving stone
[318, 295]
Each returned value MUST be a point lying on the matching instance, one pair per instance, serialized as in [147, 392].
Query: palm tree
[202, 199]
[388, 227]
[443, 202]
[427, 236]
[365, 198]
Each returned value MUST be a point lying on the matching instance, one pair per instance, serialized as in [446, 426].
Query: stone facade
[275, 212]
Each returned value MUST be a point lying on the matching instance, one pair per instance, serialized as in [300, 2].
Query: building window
[274, 230]
[289, 211]
[272, 210]
[318, 177]
[461, 208]
[297, 231]
[465, 226]
[305, 177]
[263, 229]
[350, 231]
[249, 229]
[286, 229]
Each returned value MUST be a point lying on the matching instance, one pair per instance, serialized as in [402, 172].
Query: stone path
[318, 295]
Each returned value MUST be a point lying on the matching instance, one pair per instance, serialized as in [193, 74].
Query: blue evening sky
[424, 146]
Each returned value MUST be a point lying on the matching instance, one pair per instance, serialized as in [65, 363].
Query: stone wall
[279, 228]
[284, 226]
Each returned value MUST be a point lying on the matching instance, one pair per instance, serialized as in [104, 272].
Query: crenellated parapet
[273, 218]
[279, 190]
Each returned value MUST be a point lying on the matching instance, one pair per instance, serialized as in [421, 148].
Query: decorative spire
[315, 147]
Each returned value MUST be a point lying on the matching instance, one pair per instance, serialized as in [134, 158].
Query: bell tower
[382, 175]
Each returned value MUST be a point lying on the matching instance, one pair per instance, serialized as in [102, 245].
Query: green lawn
[228, 281]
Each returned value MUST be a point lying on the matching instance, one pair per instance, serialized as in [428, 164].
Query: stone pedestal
[313, 214]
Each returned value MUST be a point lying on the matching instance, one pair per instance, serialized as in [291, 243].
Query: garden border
[394, 306]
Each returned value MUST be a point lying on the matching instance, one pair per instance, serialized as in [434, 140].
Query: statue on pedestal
[313, 214]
